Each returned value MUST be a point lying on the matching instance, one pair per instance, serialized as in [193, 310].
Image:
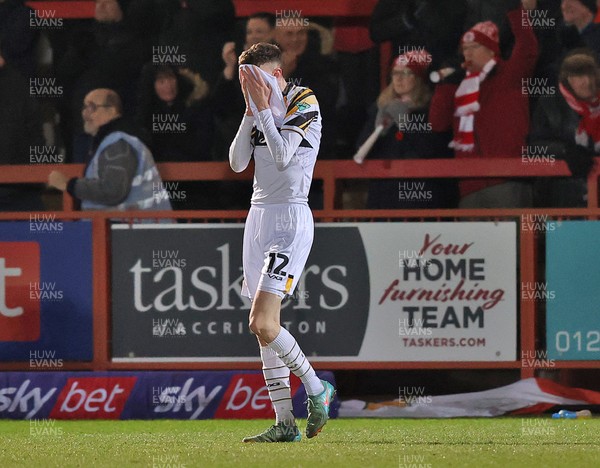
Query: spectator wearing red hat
[402, 109]
[487, 109]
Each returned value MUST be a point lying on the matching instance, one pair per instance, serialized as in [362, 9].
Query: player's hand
[58, 180]
[230, 58]
[258, 90]
[529, 4]
[200, 90]
[246, 98]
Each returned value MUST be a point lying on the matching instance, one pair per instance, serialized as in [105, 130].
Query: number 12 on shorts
[278, 270]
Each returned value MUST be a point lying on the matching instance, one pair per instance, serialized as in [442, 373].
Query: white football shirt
[284, 158]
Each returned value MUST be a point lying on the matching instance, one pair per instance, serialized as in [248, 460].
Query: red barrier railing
[85, 9]
[331, 172]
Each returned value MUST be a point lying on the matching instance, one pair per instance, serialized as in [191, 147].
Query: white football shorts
[277, 241]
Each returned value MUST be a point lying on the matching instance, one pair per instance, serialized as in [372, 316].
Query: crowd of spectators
[514, 76]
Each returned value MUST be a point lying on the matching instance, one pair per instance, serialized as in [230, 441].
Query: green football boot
[318, 410]
[277, 433]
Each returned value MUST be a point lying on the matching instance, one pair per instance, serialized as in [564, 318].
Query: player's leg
[264, 315]
[264, 322]
[286, 255]
[275, 372]
[253, 260]
[277, 380]
[294, 231]
[320, 393]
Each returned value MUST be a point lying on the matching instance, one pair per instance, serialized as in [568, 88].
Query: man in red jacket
[488, 110]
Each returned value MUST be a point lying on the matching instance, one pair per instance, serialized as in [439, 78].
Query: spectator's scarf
[589, 125]
[466, 102]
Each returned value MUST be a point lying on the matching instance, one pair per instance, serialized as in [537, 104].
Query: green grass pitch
[348, 443]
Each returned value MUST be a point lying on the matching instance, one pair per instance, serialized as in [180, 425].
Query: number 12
[278, 270]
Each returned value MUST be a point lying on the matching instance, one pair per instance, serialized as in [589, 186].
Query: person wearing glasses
[486, 106]
[121, 174]
[402, 110]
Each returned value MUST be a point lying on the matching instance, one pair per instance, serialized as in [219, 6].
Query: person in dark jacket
[435, 25]
[20, 130]
[579, 27]
[17, 39]
[174, 109]
[104, 54]
[198, 29]
[402, 109]
[567, 126]
[121, 174]
[304, 65]
[226, 94]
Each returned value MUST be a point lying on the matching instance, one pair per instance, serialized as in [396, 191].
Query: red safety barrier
[331, 172]
[85, 9]
[65, 9]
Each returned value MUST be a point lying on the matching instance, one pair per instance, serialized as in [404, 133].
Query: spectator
[486, 10]
[435, 25]
[304, 65]
[495, 11]
[541, 16]
[544, 25]
[580, 30]
[20, 129]
[488, 112]
[358, 59]
[574, 30]
[121, 174]
[402, 108]
[174, 109]
[567, 127]
[17, 39]
[260, 27]
[199, 29]
[227, 95]
[106, 55]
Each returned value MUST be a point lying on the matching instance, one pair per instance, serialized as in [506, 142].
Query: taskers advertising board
[369, 292]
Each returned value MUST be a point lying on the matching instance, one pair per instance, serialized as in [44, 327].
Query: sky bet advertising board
[369, 292]
[45, 291]
[143, 395]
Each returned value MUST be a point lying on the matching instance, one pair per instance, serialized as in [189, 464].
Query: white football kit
[278, 234]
